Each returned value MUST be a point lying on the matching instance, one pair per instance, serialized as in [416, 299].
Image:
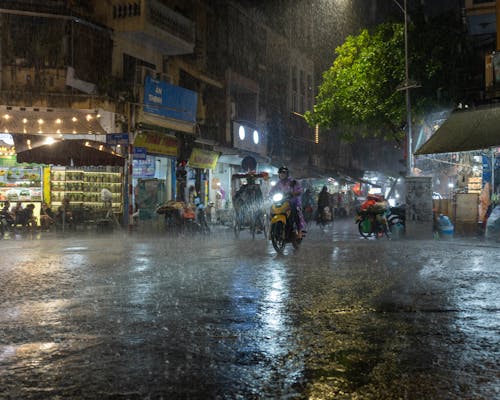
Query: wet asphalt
[146, 315]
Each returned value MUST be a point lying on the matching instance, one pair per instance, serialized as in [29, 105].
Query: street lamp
[406, 86]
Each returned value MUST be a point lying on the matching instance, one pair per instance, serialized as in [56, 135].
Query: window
[309, 92]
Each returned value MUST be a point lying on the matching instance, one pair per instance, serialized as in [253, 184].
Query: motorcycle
[325, 216]
[396, 219]
[283, 228]
[180, 218]
[202, 218]
[373, 224]
[6, 224]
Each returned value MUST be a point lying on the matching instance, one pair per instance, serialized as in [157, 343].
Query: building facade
[165, 84]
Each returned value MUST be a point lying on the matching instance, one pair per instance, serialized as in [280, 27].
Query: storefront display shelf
[83, 187]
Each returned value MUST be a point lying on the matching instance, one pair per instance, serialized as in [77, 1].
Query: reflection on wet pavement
[158, 317]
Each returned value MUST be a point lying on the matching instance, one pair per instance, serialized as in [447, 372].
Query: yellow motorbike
[283, 228]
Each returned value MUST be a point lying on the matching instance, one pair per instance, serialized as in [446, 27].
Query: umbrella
[74, 152]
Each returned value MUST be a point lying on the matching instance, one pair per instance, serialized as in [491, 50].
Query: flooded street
[147, 317]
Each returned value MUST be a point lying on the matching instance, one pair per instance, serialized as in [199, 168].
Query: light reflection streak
[335, 253]
[272, 313]
[48, 312]
[141, 289]
[27, 350]
[143, 263]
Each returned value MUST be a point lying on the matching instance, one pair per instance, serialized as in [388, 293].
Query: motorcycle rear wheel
[236, 226]
[365, 228]
[278, 237]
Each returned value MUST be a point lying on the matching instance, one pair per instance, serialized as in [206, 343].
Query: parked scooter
[6, 224]
[373, 224]
[283, 228]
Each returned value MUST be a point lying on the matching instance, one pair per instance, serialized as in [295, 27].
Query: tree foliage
[358, 94]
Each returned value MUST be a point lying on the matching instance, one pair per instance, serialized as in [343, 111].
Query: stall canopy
[71, 153]
[58, 121]
[465, 130]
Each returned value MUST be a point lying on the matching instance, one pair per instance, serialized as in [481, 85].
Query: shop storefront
[50, 171]
[83, 187]
[168, 113]
[153, 176]
[201, 165]
[248, 143]
[21, 183]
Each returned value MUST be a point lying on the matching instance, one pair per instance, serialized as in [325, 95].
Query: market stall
[22, 183]
[79, 172]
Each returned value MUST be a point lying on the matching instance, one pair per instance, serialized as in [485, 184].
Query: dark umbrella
[71, 153]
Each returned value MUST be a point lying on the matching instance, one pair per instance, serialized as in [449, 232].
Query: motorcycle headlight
[278, 197]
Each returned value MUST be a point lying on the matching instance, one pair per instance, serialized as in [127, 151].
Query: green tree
[358, 94]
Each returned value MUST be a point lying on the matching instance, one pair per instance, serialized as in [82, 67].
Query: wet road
[141, 317]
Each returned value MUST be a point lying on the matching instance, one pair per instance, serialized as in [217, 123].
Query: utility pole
[406, 87]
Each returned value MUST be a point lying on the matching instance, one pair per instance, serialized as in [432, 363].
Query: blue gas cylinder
[445, 226]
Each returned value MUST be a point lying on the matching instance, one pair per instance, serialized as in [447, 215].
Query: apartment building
[179, 80]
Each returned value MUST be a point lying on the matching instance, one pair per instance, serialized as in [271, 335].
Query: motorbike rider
[323, 201]
[287, 185]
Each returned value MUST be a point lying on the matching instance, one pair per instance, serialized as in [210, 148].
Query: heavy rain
[243, 199]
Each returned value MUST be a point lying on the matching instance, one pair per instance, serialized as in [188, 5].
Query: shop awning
[71, 153]
[465, 130]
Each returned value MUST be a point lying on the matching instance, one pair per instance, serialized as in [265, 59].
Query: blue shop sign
[115, 139]
[162, 98]
[487, 170]
[139, 153]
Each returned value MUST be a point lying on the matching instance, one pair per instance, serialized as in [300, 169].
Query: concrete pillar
[419, 217]
[497, 13]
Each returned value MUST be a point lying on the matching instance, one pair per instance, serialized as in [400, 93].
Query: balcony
[150, 23]
[477, 7]
[28, 79]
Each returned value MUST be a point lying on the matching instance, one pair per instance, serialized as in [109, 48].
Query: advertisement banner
[205, 159]
[157, 143]
[143, 168]
[162, 98]
[8, 161]
[486, 169]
